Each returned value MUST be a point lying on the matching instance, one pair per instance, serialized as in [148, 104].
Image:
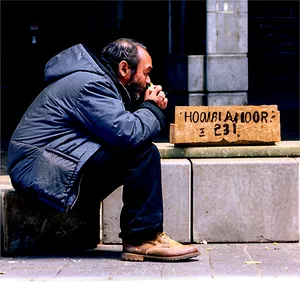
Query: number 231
[226, 129]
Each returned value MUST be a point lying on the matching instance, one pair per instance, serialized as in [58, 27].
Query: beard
[134, 91]
[136, 95]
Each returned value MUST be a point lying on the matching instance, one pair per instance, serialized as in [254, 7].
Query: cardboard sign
[225, 125]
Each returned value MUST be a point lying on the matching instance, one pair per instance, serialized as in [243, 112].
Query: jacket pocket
[55, 175]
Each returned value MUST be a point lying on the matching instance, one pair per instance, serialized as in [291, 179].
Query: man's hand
[156, 94]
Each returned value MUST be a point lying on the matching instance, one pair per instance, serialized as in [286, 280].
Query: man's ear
[124, 70]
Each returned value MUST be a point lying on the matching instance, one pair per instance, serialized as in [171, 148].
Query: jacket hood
[73, 59]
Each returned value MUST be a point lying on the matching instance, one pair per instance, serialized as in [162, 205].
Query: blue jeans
[140, 174]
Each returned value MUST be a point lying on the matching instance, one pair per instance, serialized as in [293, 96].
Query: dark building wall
[274, 60]
[62, 24]
[273, 46]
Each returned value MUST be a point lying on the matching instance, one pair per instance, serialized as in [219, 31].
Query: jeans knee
[153, 150]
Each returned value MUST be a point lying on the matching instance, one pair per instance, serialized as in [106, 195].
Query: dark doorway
[34, 31]
[274, 60]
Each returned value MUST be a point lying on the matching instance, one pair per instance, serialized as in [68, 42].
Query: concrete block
[30, 226]
[1, 222]
[195, 73]
[245, 200]
[176, 182]
[227, 6]
[227, 73]
[280, 149]
[298, 162]
[111, 209]
[197, 99]
[227, 99]
[227, 33]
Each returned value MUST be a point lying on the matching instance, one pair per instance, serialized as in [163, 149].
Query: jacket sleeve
[101, 111]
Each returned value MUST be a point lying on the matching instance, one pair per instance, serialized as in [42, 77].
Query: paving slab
[228, 260]
[276, 260]
[217, 261]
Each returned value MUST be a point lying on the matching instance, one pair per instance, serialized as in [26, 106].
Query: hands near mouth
[156, 94]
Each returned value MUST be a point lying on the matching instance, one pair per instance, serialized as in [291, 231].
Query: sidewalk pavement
[230, 271]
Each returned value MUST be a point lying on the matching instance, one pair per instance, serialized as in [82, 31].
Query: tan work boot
[162, 248]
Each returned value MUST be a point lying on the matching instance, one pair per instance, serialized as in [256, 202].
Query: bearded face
[135, 90]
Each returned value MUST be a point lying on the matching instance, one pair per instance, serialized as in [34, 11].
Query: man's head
[131, 63]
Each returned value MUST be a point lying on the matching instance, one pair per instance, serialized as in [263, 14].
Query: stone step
[213, 194]
[230, 200]
[29, 226]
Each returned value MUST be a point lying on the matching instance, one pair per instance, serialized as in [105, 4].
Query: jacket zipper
[75, 200]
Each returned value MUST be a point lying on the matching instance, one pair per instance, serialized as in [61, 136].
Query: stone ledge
[168, 150]
[246, 199]
[176, 184]
[233, 200]
[280, 149]
[24, 226]
[5, 183]
[30, 227]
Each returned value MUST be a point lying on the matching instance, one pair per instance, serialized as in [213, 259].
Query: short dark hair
[123, 49]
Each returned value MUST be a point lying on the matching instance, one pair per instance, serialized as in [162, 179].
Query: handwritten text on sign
[205, 124]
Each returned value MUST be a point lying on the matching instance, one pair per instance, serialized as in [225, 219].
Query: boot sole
[142, 257]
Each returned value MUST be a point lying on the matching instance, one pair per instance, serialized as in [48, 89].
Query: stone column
[226, 52]
[220, 76]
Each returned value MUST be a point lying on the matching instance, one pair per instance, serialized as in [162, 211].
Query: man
[88, 133]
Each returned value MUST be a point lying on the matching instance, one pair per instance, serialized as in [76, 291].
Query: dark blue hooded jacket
[84, 107]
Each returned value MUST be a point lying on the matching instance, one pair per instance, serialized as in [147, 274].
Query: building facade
[213, 52]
